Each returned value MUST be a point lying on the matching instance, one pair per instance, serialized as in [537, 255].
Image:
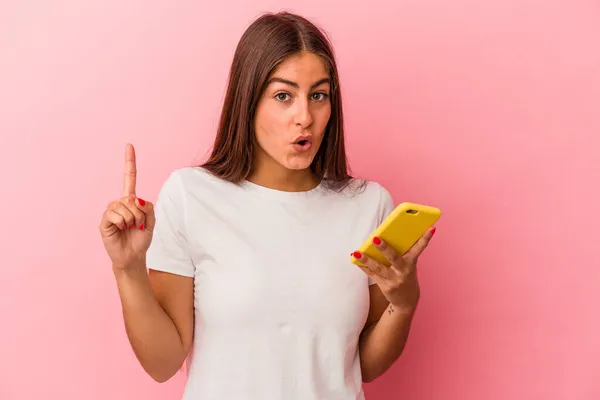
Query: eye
[283, 97]
[319, 96]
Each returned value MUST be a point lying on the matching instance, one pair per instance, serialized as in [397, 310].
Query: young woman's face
[293, 112]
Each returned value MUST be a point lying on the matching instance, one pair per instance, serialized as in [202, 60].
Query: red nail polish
[141, 227]
[131, 226]
[142, 202]
[433, 230]
[356, 254]
[376, 240]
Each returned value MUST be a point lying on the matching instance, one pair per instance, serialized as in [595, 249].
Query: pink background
[487, 109]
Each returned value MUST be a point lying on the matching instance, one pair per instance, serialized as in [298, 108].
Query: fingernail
[131, 226]
[356, 254]
[433, 230]
[141, 227]
[142, 202]
[376, 240]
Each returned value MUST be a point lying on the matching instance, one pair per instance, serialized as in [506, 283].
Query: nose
[303, 115]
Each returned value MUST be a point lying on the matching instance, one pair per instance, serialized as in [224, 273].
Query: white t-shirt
[278, 306]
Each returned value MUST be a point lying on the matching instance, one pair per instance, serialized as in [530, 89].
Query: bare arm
[384, 336]
[394, 299]
[158, 311]
[158, 307]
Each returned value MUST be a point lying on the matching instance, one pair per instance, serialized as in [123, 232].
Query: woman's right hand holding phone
[127, 223]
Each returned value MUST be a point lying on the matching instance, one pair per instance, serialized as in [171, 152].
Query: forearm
[153, 335]
[382, 343]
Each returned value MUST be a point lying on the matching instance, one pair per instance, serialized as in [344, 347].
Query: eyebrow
[294, 84]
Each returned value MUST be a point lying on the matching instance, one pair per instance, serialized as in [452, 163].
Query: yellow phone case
[400, 230]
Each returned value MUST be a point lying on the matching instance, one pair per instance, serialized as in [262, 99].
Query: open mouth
[302, 144]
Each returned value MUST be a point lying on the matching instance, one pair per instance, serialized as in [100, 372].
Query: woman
[246, 256]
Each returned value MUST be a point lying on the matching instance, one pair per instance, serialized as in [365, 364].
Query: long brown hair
[264, 45]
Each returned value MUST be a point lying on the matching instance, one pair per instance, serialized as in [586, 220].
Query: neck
[275, 176]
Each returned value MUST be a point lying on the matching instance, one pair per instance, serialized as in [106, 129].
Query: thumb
[415, 251]
[148, 209]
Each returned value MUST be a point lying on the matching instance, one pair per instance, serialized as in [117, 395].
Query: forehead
[302, 68]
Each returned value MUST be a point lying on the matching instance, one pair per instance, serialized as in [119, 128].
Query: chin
[298, 164]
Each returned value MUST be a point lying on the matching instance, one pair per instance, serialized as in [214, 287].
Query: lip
[301, 138]
[302, 143]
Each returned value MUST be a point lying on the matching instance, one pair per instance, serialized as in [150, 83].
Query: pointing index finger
[130, 171]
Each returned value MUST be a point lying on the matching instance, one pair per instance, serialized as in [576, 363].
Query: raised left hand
[398, 282]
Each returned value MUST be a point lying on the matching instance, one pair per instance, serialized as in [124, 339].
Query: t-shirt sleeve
[386, 206]
[168, 250]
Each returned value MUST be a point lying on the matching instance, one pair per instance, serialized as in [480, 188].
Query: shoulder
[384, 199]
[196, 175]
[188, 188]
[372, 197]
[367, 190]
[186, 179]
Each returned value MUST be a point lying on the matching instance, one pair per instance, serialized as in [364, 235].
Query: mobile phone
[400, 230]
